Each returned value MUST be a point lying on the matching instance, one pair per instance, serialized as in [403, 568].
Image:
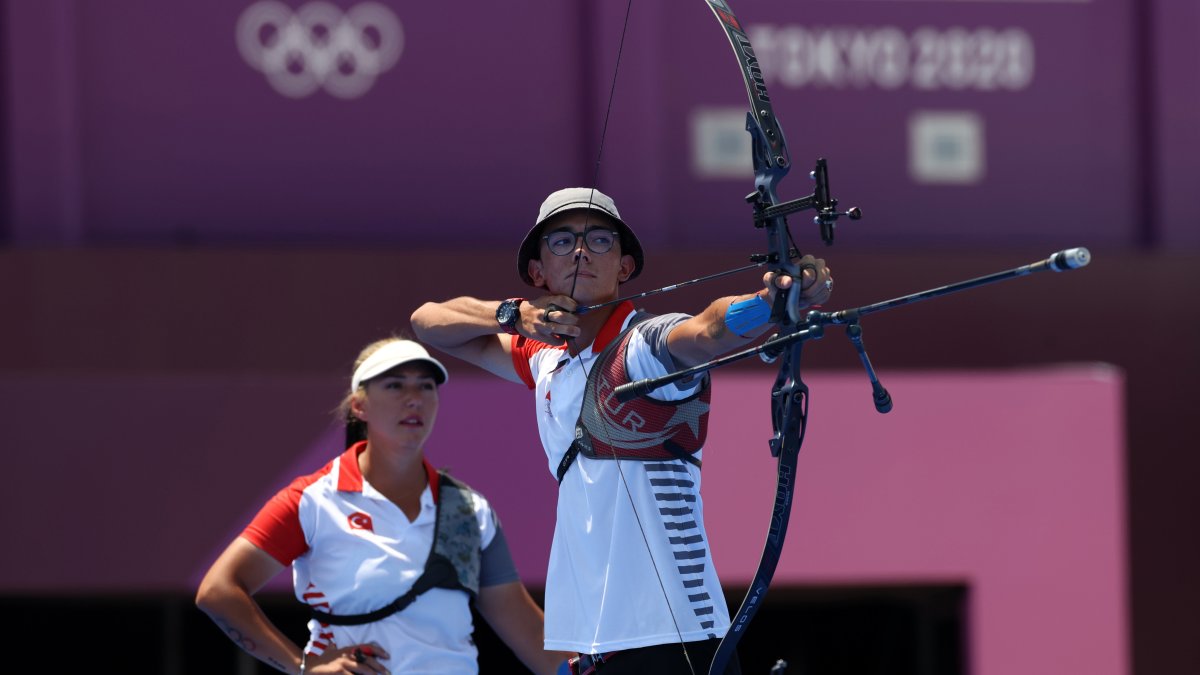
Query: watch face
[508, 312]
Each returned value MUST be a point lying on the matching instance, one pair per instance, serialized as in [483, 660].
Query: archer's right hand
[550, 319]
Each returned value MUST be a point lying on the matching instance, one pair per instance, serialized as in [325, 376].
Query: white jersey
[352, 551]
[602, 592]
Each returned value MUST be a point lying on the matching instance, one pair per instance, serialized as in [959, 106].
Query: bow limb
[789, 413]
[789, 396]
[770, 155]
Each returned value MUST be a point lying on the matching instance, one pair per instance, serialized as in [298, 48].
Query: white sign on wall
[946, 147]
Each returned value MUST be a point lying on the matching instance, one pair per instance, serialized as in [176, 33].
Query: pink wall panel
[1009, 482]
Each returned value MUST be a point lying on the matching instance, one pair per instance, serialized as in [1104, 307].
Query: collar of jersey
[350, 477]
[612, 328]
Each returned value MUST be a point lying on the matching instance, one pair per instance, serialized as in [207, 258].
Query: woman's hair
[356, 429]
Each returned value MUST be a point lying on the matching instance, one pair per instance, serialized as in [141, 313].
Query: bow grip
[787, 305]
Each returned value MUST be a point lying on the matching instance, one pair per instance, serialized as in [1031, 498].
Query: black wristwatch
[508, 314]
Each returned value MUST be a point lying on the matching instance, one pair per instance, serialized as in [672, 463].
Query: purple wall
[1176, 95]
[950, 123]
[1049, 104]
[174, 137]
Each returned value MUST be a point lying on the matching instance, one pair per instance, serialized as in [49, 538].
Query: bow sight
[820, 200]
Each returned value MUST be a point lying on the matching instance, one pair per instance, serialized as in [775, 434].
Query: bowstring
[587, 375]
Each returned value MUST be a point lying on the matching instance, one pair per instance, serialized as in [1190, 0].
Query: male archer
[630, 584]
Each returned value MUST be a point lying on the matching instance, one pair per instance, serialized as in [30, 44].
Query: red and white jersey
[352, 551]
[602, 593]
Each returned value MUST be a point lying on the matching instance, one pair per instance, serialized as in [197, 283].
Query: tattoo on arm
[236, 635]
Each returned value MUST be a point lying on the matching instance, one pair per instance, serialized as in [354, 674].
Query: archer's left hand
[816, 282]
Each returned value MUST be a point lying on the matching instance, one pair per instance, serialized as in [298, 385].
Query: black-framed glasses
[563, 242]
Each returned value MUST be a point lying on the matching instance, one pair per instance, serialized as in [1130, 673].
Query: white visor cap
[395, 354]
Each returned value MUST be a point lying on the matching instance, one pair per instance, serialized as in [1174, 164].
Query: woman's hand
[356, 659]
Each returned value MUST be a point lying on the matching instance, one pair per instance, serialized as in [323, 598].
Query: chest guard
[642, 429]
[453, 562]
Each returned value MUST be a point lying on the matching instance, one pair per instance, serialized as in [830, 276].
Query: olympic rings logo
[319, 46]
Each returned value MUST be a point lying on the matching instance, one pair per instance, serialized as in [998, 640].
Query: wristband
[744, 316]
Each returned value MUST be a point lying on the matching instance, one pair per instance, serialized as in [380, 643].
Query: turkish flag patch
[360, 521]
